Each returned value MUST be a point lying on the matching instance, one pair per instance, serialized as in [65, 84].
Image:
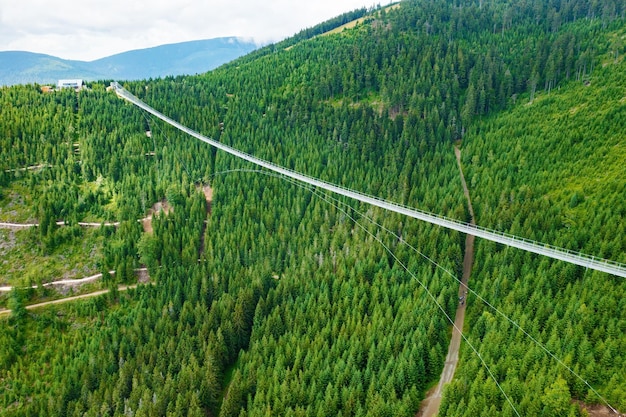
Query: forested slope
[550, 170]
[284, 304]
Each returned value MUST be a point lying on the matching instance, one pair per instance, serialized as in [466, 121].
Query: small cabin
[75, 84]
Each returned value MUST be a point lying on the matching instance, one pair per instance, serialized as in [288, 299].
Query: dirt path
[208, 195]
[69, 299]
[63, 282]
[430, 405]
[158, 207]
[30, 168]
[457, 152]
[140, 272]
[19, 226]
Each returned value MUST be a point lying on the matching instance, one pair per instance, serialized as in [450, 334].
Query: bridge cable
[448, 272]
[328, 199]
[180, 161]
[554, 252]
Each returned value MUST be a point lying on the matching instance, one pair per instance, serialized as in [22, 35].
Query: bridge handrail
[567, 255]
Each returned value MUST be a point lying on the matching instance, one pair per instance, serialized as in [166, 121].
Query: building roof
[70, 83]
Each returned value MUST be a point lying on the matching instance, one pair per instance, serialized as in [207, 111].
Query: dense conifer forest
[269, 298]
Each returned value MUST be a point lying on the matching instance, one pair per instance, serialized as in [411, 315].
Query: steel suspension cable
[577, 258]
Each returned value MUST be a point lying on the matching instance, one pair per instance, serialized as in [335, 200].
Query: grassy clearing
[348, 25]
[16, 204]
[46, 294]
[374, 101]
[354, 23]
[22, 262]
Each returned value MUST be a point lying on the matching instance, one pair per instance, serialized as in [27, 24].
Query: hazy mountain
[18, 67]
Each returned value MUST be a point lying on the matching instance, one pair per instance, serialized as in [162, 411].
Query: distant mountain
[17, 67]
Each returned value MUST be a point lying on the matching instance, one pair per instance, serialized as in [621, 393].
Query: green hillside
[550, 170]
[274, 299]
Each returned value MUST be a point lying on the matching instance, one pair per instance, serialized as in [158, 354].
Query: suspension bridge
[573, 257]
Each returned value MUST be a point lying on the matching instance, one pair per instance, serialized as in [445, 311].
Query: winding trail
[68, 299]
[74, 282]
[430, 405]
[63, 282]
[29, 168]
[142, 276]
[18, 226]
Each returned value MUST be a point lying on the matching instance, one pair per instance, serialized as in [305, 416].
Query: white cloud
[97, 28]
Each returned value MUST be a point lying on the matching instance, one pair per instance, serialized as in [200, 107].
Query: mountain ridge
[183, 58]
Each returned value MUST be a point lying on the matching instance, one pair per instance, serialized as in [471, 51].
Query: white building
[75, 84]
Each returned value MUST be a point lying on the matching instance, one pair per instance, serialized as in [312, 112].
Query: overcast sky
[98, 28]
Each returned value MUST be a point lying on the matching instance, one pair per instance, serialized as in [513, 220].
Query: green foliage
[551, 171]
[16, 305]
[24, 260]
[318, 318]
[556, 399]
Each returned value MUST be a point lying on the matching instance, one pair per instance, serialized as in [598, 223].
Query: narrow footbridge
[577, 258]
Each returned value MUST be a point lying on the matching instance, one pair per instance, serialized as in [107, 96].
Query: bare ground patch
[15, 208]
[161, 206]
[143, 277]
[597, 410]
[147, 224]
[208, 195]
[7, 241]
